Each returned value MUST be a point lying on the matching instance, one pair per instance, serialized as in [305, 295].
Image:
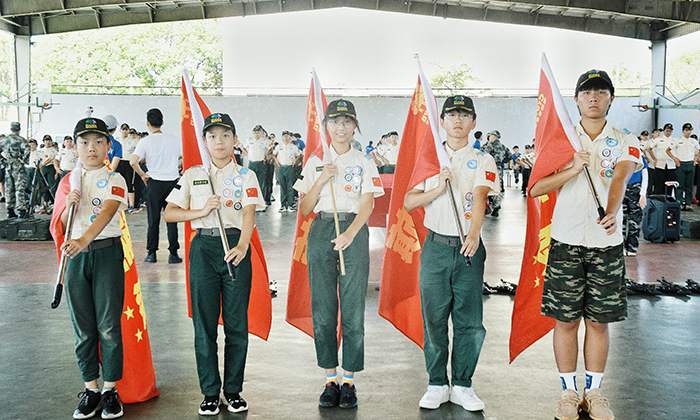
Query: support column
[658, 72]
[22, 79]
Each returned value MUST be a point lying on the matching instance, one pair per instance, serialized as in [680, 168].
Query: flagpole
[337, 228]
[222, 232]
[596, 198]
[467, 260]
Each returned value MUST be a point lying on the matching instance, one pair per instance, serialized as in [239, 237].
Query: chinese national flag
[260, 305]
[399, 295]
[298, 296]
[555, 144]
[138, 381]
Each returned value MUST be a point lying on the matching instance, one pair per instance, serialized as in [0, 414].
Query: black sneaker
[210, 406]
[348, 396]
[236, 403]
[330, 396]
[111, 406]
[151, 258]
[174, 259]
[89, 404]
[11, 214]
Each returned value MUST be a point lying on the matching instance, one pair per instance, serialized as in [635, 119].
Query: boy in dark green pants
[212, 290]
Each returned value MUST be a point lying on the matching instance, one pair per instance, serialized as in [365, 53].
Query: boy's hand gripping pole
[222, 233]
[467, 260]
[58, 292]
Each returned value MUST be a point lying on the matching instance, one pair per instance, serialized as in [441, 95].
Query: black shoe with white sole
[236, 403]
[210, 406]
[89, 404]
[111, 406]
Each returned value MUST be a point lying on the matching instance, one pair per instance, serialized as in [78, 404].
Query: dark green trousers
[449, 288]
[94, 284]
[214, 293]
[685, 174]
[260, 171]
[286, 178]
[326, 285]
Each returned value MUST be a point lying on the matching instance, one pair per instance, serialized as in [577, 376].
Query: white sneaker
[466, 397]
[434, 396]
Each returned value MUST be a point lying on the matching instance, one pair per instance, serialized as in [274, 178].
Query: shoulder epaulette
[243, 170]
[368, 157]
[480, 153]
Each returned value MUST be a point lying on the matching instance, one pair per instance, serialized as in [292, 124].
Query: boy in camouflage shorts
[585, 274]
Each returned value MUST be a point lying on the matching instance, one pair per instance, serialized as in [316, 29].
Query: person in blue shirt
[369, 148]
[515, 164]
[633, 209]
[477, 141]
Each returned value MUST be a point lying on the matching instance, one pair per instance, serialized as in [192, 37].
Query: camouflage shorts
[585, 282]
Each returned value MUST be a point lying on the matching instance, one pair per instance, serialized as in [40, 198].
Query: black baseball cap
[645, 133]
[687, 126]
[599, 77]
[341, 107]
[258, 128]
[124, 126]
[222, 120]
[668, 125]
[452, 103]
[90, 125]
[47, 137]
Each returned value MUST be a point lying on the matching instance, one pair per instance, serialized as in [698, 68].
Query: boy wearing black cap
[236, 196]
[585, 270]
[685, 156]
[663, 162]
[258, 147]
[94, 278]
[448, 287]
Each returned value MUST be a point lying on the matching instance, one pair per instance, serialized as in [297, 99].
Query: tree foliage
[454, 79]
[131, 59]
[684, 72]
[627, 81]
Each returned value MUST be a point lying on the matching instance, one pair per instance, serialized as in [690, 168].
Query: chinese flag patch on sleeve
[118, 191]
[376, 181]
[490, 176]
[634, 152]
[252, 192]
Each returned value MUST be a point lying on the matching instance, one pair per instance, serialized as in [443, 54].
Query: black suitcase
[28, 230]
[662, 218]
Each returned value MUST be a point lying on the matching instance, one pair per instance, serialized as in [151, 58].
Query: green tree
[454, 79]
[131, 59]
[626, 81]
[684, 72]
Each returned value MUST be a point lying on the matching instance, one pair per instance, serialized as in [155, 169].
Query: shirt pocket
[199, 194]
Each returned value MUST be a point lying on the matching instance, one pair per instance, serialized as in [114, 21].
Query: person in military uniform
[633, 208]
[213, 292]
[15, 149]
[500, 154]
[585, 274]
[685, 155]
[355, 184]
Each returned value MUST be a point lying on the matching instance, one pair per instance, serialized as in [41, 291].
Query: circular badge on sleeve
[616, 152]
[228, 181]
[93, 217]
[605, 163]
[606, 153]
[96, 201]
[102, 183]
[356, 180]
[471, 164]
[611, 142]
[348, 187]
[602, 173]
[608, 173]
[355, 189]
[468, 215]
[226, 192]
[229, 203]
[238, 181]
[238, 193]
[96, 210]
[237, 205]
[348, 169]
[348, 177]
[469, 196]
[359, 169]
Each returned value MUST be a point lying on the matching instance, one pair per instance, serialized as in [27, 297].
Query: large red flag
[420, 155]
[138, 381]
[298, 296]
[555, 144]
[191, 122]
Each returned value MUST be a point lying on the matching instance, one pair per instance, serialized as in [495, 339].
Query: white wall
[513, 117]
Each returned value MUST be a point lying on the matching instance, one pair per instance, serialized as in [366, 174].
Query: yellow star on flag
[129, 313]
[139, 334]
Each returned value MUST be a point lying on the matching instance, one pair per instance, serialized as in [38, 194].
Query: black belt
[102, 243]
[215, 231]
[342, 217]
[447, 240]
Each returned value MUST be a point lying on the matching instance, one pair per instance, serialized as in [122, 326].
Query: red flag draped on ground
[191, 123]
[298, 296]
[420, 155]
[555, 145]
[138, 381]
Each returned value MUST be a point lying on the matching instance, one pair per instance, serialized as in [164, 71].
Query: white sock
[593, 380]
[568, 381]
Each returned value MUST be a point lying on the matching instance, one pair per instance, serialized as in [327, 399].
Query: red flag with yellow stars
[260, 305]
[299, 295]
[138, 381]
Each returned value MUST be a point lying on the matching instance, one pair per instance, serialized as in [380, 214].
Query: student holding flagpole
[585, 275]
[354, 183]
[449, 286]
[212, 289]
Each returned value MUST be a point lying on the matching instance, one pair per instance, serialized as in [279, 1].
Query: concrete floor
[651, 374]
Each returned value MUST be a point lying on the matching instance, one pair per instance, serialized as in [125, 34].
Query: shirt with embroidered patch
[257, 149]
[67, 159]
[97, 186]
[237, 186]
[357, 175]
[286, 153]
[685, 149]
[659, 146]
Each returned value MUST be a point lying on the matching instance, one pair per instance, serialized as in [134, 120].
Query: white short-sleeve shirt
[97, 186]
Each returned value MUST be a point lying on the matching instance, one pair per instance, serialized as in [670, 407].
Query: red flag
[555, 144]
[298, 296]
[260, 305]
[138, 381]
[399, 294]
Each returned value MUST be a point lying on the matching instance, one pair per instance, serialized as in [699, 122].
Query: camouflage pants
[494, 201]
[584, 282]
[633, 215]
[16, 186]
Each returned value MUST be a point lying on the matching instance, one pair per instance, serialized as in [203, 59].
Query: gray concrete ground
[651, 374]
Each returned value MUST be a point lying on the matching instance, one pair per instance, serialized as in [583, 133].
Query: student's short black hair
[154, 117]
[477, 135]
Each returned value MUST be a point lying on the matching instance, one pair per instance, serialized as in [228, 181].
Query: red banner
[138, 381]
[260, 306]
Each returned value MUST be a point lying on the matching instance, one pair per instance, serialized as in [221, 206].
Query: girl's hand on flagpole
[609, 223]
[74, 247]
[444, 175]
[329, 172]
[343, 241]
[213, 203]
[236, 254]
[580, 160]
[73, 198]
